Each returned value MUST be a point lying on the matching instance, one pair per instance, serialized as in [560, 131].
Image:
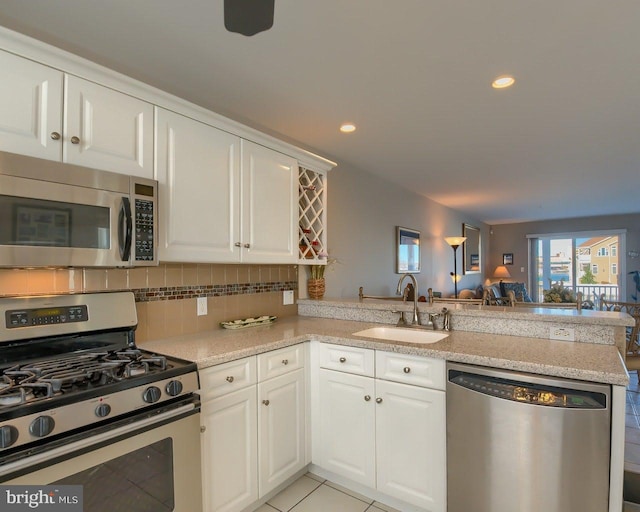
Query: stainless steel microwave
[60, 215]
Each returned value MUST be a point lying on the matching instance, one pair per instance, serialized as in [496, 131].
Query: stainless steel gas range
[80, 404]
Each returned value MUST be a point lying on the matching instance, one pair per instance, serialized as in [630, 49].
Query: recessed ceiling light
[503, 81]
[347, 128]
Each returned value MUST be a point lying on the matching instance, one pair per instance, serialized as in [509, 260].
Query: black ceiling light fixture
[248, 17]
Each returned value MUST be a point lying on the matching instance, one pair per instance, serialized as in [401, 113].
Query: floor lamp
[455, 242]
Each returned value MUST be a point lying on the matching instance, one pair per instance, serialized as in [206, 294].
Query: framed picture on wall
[507, 258]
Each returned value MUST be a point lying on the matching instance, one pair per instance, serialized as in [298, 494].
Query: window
[584, 262]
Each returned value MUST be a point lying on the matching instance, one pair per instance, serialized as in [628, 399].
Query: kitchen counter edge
[580, 361]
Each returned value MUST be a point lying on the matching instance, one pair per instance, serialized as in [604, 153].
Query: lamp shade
[455, 241]
[501, 272]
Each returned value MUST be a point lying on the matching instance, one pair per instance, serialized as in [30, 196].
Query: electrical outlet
[287, 297]
[522, 270]
[202, 306]
[562, 333]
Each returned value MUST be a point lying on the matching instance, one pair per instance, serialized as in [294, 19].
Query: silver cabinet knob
[343, 359]
[230, 378]
[202, 428]
[265, 402]
[75, 140]
[367, 398]
[285, 362]
[237, 244]
[55, 135]
[378, 400]
[406, 369]
[247, 246]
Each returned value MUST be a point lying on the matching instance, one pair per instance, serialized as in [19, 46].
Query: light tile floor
[310, 493]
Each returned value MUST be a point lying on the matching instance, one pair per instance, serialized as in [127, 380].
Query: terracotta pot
[315, 288]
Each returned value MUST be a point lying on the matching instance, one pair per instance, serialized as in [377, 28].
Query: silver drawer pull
[203, 428]
[75, 140]
[378, 400]
[343, 359]
[55, 135]
[285, 362]
[367, 398]
[265, 402]
[230, 378]
[406, 369]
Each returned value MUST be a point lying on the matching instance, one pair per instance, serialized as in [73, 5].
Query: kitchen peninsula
[481, 336]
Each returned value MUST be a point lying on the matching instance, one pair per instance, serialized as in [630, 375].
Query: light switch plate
[202, 306]
[287, 297]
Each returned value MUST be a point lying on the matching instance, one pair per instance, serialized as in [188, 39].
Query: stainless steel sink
[417, 336]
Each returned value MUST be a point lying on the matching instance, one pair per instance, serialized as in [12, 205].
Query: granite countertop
[543, 314]
[582, 361]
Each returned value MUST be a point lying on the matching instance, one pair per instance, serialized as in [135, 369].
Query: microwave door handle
[125, 229]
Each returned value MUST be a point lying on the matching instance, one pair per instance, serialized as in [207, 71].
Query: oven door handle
[125, 229]
[97, 439]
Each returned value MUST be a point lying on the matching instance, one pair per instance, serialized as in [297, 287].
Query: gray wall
[507, 238]
[363, 212]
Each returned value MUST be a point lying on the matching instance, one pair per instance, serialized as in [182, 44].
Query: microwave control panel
[144, 230]
[45, 316]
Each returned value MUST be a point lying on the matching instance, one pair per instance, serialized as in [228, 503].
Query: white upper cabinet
[106, 129]
[269, 205]
[198, 170]
[79, 123]
[223, 199]
[30, 108]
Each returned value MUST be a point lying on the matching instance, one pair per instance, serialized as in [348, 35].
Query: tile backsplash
[166, 295]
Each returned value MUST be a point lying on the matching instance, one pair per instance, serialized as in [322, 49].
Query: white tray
[248, 322]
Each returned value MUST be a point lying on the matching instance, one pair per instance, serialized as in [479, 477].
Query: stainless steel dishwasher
[519, 442]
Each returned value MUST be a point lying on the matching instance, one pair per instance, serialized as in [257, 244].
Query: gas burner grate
[38, 380]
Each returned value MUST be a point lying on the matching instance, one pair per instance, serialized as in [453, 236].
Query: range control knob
[8, 436]
[42, 426]
[174, 388]
[103, 410]
[151, 394]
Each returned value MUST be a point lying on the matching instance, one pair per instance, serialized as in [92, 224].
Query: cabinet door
[30, 108]
[281, 427]
[347, 426]
[411, 444]
[198, 169]
[270, 205]
[107, 129]
[229, 451]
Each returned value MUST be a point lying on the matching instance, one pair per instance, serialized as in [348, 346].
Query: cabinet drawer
[347, 359]
[419, 371]
[225, 378]
[277, 362]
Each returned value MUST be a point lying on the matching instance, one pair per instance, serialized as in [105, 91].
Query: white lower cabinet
[229, 446]
[388, 436]
[254, 435]
[411, 444]
[347, 416]
[281, 429]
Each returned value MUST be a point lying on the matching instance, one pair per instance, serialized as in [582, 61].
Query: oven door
[148, 466]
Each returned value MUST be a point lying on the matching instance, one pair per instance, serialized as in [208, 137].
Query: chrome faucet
[446, 326]
[414, 320]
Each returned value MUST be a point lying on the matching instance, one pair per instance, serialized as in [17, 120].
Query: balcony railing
[592, 292]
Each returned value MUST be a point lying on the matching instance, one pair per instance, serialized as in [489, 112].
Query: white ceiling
[414, 75]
